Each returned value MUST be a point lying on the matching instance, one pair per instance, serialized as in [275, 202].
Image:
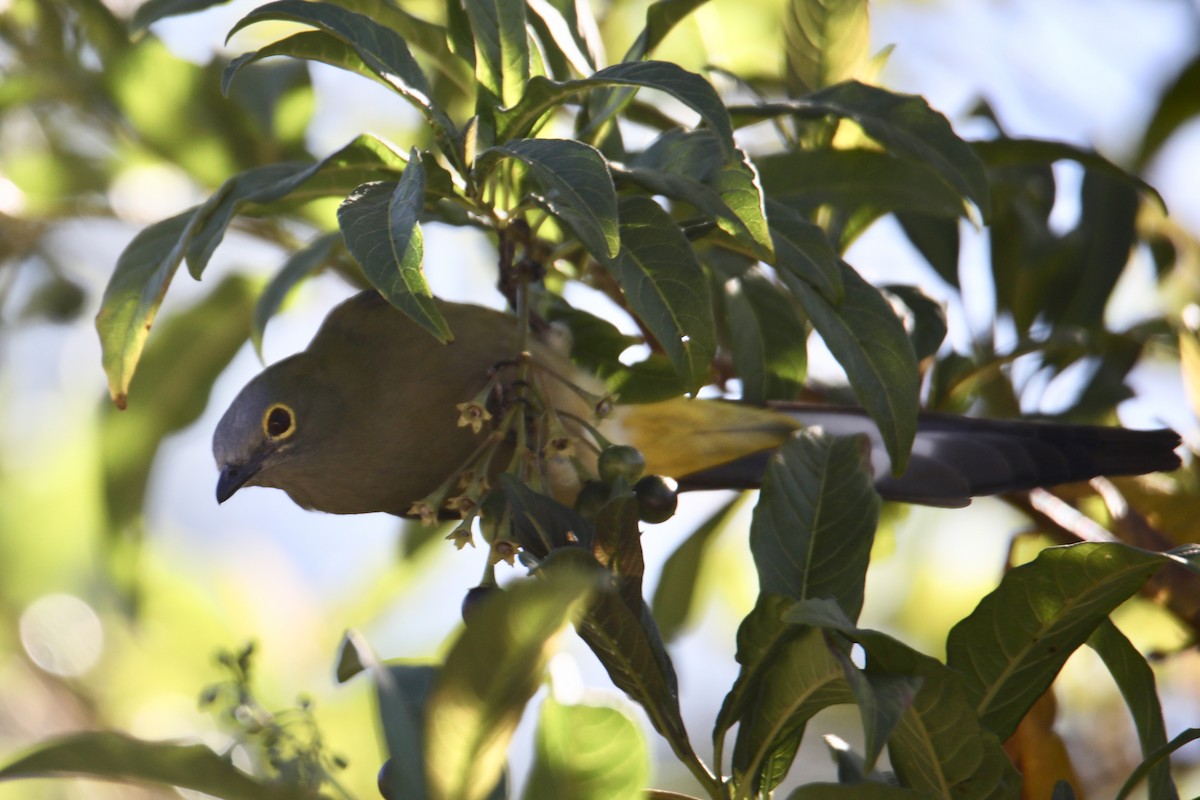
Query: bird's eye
[279, 422]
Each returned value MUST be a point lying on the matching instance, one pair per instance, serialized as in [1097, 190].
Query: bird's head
[274, 431]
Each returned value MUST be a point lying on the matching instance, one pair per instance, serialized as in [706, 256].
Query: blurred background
[120, 577]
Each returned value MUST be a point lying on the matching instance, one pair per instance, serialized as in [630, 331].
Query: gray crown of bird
[376, 415]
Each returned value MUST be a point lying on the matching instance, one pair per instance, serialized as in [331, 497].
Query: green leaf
[661, 17]
[939, 746]
[1015, 152]
[541, 524]
[492, 671]
[563, 41]
[1135, 679]
[134, 292]
[814, 524]
[577, 185]
[1178, 104]
[379, 224]
[869, 342]
[904, 124]
[937, 239]
[803, 249]
[1154, 759]
[501, 47]
[381, 49]
[675, 593]
[926, 319]
[857, 179]
[116, 756]
[738, 185]
[587, 752]
[827, 42]
[299, 266]
[403, 692]
[800, 678]
[154, 10]
[171, 391]
[542, 94]
[856, 791]
[666, 287]
[767, 338]
[1019, 636]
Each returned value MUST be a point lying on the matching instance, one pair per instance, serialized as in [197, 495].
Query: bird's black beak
[234, 477]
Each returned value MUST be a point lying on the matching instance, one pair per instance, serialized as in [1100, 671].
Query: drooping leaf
[153, 10]
[1178, 104]
[492, 671]
[299, 266]
[904, 124]
[117, 756]
[134, 292]
[381, 49]
[826, 42]
[1135, 679]
[925, 320]
[939, 746]
[738, 185]
[803, 249]
[814, 524]
[857, 179]
[869, 342]
[501, 47]
[541, 524]
[170, 391]
[856, 791]
[1008, 657]
[543, 94]
[577, 187]
[587, 752]
[379, 224]
[937, 239]
[768, 339]
[665, 285]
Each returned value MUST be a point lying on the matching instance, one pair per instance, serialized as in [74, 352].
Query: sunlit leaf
[826, 42]
[1019, 636]
[587, 752]
[492, 671]
[501, 47]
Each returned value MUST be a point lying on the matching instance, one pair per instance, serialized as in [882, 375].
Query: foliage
[725, 239]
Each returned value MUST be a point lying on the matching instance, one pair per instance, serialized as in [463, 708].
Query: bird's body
[370, 417]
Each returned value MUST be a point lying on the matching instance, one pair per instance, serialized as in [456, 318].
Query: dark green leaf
[826, 42]
[1015, 641]
[543, 94]
[171, 390]
[868, 340]
[937, 239]
[154, 10]
[1178, 104]
[856, 179]
[587, 753]
[857, 791]
[647, 381]
[939, 746]
[767, 337]
[116, 756]
[1153, 759]
[541, 524]
[379, 48]
[666, 287]
[577, 185]
[501, 47]
[926, 319]
[492, 671]
[814, 524]
[379, 224]
[403, 692]
[299, 266]
[1009, 152]
[676, 590]
[1135, 679]
[803, 249]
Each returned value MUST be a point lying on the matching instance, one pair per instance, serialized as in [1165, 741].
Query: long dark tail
[956, 458]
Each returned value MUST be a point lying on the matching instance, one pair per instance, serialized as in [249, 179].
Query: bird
[375, 415]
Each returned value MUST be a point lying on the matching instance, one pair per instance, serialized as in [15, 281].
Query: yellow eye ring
[279, 422]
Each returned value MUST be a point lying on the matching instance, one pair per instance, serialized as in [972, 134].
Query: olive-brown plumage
[367, 418]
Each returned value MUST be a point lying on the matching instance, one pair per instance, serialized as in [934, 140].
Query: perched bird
[375, 415]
